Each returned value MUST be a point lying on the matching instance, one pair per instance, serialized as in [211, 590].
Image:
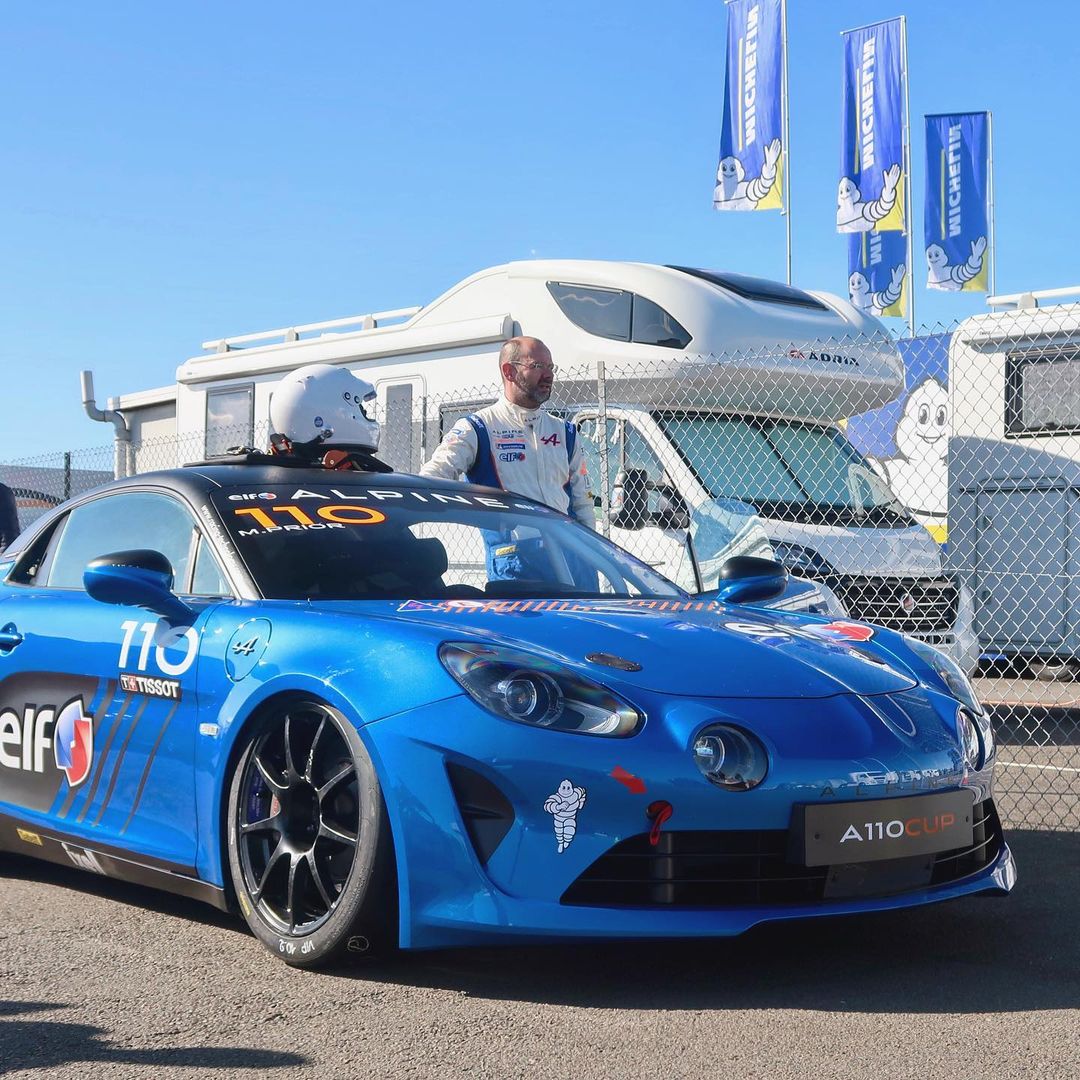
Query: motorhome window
[449, 415]
[753, 288]
[1042, 393]
[788, 470]
[652, 325]
[604, 312]
[230, 418]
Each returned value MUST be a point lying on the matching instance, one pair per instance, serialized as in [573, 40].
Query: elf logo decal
[73, 742]
[24, 740]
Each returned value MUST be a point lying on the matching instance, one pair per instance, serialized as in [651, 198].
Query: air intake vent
[485, 810]
[737, 868]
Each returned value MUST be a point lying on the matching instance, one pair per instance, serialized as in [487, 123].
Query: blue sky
[175, 173]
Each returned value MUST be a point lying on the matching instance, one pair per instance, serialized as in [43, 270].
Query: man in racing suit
[519, 447]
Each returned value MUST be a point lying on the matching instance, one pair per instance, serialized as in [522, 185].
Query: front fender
[365, 669]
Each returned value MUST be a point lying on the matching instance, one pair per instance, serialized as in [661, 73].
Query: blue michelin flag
[957, 212]
[749, 176]
[871, 192]
[877, 272]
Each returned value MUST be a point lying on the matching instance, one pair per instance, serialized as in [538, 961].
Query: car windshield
[347, 541]
[784, 469]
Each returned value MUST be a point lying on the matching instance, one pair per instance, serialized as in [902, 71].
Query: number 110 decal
[188, 640]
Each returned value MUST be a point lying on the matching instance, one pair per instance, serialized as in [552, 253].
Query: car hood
[685, 647]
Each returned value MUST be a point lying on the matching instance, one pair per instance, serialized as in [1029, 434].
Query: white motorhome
[1014, 472]
[722, 390]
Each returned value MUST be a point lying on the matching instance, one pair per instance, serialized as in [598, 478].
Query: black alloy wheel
[309, 844]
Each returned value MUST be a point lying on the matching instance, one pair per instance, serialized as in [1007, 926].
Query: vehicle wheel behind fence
[309, 841]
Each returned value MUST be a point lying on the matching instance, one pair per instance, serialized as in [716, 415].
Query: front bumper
[492, 860]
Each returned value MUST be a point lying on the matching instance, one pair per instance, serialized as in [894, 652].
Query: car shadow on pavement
[973, 955]
[53, 1044]
[122, 892]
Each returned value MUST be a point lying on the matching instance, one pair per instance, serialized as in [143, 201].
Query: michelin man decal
[918, 473]
[953, 278]
[854, 215]
[563, 807]
[875, 303]
[734, 192]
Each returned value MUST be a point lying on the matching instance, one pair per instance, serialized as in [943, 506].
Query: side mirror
[139, 578]
[671, 511]
[630, 500]
[746, 579]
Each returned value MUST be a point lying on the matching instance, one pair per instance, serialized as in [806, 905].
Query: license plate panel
[869, 830]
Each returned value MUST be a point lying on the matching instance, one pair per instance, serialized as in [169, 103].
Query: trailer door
[1022, 560]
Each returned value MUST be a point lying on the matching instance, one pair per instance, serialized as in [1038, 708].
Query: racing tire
[310, 851]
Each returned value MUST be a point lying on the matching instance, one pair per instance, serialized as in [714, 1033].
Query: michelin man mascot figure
[875, 303]
[952, 278]
[734, 192]
[919, 472]
[854, 215]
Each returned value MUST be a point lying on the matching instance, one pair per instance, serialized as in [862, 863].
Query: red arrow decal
[634, 783]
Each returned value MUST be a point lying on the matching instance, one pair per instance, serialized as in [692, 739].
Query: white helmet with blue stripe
[325, 405]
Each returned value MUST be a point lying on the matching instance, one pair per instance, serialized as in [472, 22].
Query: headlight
[730, 757]
[969, 738]
[530, 690]
[956, 682]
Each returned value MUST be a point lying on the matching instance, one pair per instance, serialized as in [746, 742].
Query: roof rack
[292, 333]
[1030, 299]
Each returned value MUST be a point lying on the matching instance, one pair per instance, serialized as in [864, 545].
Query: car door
[663, 549]
[99, 702]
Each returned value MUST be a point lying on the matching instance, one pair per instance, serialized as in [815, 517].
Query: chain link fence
[930, 484]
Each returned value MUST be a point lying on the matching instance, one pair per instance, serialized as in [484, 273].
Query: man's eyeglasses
[534, 366]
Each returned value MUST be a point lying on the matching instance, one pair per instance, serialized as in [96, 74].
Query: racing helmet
[324, 404]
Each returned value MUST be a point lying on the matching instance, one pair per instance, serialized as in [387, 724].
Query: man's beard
[533, 393]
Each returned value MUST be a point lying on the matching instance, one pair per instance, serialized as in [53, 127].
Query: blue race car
[375, 710]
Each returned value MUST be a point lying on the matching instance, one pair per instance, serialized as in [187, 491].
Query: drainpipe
[122, 446]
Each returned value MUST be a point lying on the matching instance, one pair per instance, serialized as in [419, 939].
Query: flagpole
[990, 199]
[787, 133]
[908, 223]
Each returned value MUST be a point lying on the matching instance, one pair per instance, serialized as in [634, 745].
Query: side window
[639, 455]
[208, 579]
[230, 417]
[123, 522]
[619, 315]
[604, 312]
[654, 326]
[589, 441]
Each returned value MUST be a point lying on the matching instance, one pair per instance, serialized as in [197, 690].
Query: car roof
[199, 480]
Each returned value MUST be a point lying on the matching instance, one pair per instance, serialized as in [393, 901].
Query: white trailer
[1014, 473]
[724, 390]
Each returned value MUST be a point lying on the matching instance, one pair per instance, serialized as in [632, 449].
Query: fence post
[601, 430]
[67, 475]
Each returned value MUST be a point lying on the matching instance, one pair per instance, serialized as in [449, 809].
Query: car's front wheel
[309, 842]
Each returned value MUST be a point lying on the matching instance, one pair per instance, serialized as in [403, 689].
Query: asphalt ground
[103, 979]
